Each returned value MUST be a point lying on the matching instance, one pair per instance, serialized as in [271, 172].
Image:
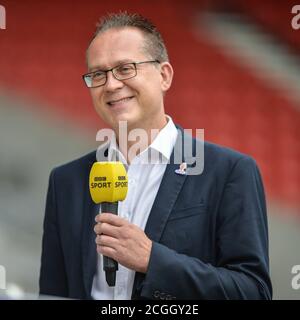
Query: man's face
[138, 100]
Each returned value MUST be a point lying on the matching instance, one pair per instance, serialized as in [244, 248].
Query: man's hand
[122, 241]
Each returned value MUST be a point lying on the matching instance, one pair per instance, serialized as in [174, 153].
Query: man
[177, 236]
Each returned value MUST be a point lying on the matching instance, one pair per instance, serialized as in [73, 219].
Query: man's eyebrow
[117, 63]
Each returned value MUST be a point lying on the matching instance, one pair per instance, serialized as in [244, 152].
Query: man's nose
[112, 83]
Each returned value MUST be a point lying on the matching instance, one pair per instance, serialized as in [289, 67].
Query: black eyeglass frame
[112, 70]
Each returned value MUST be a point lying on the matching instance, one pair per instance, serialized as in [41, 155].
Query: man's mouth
[113, 102]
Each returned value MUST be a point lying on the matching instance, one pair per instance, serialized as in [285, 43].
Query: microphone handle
[111, 207]
[110, 266]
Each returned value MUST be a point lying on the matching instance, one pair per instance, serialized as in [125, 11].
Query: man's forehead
[114, 47]
[106, 62]
[117, 39]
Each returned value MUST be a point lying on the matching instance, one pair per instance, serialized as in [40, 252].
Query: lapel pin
[182, 169]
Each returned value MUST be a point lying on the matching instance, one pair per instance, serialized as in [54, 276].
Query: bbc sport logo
[2, 18]
[2, 278]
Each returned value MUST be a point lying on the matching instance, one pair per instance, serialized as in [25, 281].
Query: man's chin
[124, 121]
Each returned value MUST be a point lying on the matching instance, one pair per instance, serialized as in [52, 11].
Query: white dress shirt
[143, 183]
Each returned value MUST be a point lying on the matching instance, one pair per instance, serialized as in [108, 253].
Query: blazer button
[156, 294]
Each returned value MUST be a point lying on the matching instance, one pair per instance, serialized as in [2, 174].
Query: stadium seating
[44, 59]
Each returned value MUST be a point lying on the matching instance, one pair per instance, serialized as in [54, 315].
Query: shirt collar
[165, 140]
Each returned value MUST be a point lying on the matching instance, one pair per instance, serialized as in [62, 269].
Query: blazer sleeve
[53, 279]
[241, 270]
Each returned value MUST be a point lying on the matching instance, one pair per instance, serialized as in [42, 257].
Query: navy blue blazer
[209, 232]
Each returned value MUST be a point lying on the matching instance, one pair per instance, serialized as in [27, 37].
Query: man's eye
[98, 75]
[125, 69]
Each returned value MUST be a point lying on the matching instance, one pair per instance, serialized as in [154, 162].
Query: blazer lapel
[167, 194]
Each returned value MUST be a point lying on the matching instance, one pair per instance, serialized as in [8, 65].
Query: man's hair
[154, 43]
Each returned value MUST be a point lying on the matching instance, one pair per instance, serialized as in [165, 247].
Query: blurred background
[237, 75]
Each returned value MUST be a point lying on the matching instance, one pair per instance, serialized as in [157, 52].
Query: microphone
[108, 184]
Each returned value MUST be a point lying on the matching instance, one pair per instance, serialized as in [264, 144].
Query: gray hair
[154, 43]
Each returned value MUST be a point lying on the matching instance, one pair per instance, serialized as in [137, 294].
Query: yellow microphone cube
[108, 182]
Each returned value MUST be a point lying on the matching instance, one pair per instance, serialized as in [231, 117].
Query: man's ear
[166, 72]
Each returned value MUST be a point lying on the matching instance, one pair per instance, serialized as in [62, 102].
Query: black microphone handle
[111, 207]
[110, 266]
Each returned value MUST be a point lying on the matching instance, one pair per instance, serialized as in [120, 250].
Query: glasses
[124, 71]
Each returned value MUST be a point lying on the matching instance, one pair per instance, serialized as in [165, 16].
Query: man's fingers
[107, 251]
[104, 240]
[110, 219]
[108, 224]
[107, 229]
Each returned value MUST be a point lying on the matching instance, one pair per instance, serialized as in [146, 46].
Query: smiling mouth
[111, 103]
